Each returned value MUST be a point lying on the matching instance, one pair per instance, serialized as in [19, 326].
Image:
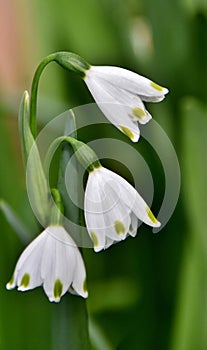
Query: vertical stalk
[70, 319]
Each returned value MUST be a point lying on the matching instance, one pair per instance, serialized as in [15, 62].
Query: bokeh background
[146, 293]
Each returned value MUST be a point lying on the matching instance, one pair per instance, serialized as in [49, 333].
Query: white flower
[112, 208]
[54, 261]
[119, 94]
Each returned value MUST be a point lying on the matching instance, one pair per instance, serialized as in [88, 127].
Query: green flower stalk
[84, 154]
[57, 209]
[67, 60]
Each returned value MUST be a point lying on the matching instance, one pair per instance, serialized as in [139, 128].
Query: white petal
[129, 81]
[95, 225]
[133, 226]
[94, 193]
[52, 259]
[118, 114]
[117, 218]
[93, 211]
[26, 274]
[153, 98]
[58, 263]
[79, 281]
[30, 269]
[109, 242]
[113, 220]
[113, 209]
[35, 244]
[132, 104]
[105, 213]
[138, 112]
[133, 200]
[143, 212]
[124, 190]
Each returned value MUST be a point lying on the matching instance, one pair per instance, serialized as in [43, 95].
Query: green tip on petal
[58, 288]
[151, 216]
[138, 112]
[119, 227]
[156, 86]
[94, 239]
[86, 72]
[25, 280]
[94, 166]
[127, 132]
[9, 285]
[85, 286]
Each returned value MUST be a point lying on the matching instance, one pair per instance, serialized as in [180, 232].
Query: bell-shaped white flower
[54, 261]
[112, 208]
[120, 93]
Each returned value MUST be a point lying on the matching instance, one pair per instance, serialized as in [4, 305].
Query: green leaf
[70, 324]
[26, 137]
[17, 225]
[195, 165]
[98, 338]
[191, 313]
[38, 190]
[189, 331]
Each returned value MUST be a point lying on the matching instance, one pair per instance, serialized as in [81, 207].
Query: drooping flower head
[112, 208]
[54, 261]
[120, 93]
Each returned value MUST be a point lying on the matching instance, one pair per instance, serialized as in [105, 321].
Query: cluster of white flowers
[112, 207]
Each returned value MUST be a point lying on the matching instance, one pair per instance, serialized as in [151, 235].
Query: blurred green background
[146, 293]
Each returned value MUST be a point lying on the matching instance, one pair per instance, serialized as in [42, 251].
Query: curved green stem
[51, 150]
[35, 83]
[84, 154]
[71, 128]
[67, 60]
[58, 209]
